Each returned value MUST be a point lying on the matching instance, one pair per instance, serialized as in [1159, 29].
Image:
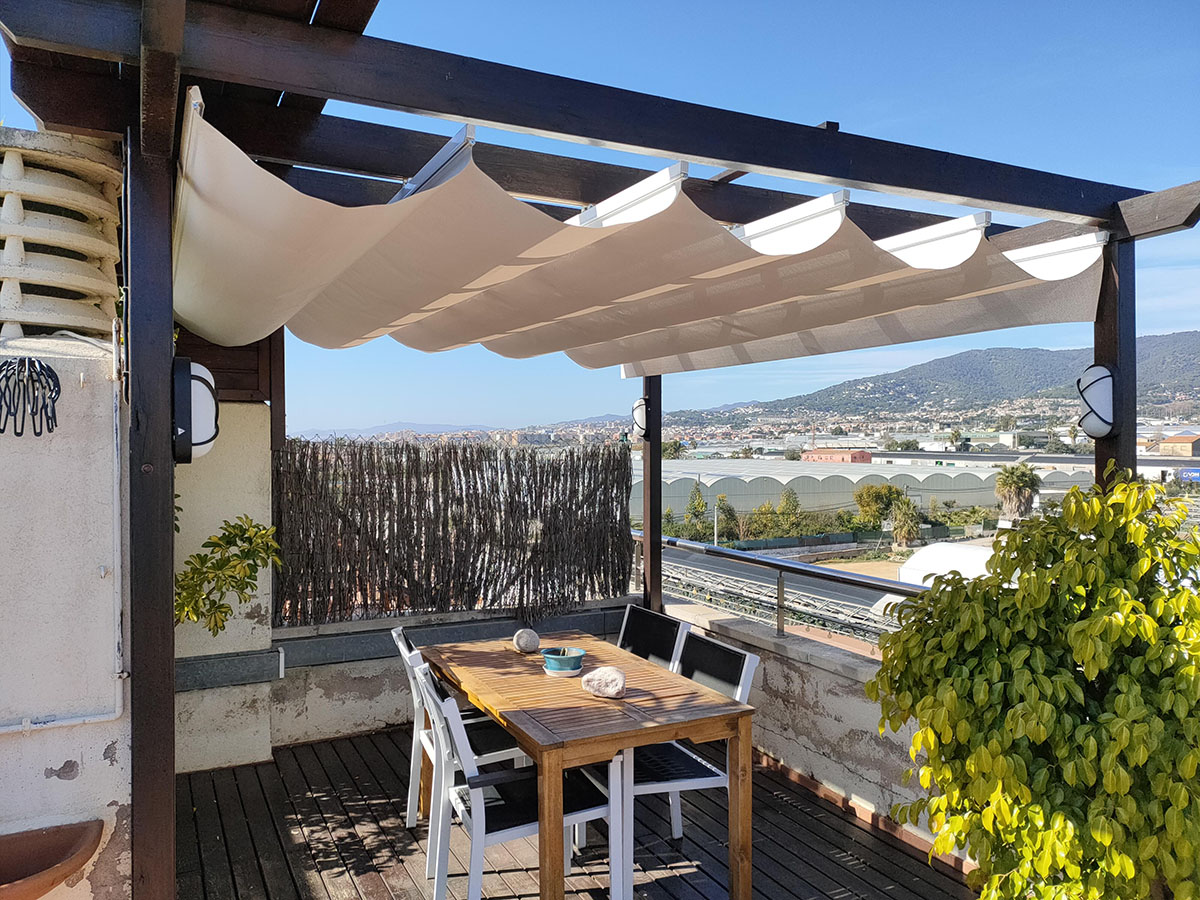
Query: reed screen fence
[370, 529]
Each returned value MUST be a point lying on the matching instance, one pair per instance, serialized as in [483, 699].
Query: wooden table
[560, 725]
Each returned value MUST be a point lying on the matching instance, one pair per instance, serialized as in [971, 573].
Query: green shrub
[228, 565]
[1055, 702]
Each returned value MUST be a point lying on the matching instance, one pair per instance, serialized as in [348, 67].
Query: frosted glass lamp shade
[639, 417]
[1095, 388]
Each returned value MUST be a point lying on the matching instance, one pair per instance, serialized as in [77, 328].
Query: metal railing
[783, 567]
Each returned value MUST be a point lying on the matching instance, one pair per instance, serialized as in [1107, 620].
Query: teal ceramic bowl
[563, 659]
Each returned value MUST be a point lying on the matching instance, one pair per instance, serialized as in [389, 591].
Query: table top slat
[546, 712]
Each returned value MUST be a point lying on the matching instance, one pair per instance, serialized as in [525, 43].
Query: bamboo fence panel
[370, 529]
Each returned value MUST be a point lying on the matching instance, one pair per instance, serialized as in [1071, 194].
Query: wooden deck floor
[327, 821]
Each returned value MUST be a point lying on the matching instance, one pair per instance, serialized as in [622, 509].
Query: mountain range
[1168, 370]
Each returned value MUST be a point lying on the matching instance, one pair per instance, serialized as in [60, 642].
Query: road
[815, 586]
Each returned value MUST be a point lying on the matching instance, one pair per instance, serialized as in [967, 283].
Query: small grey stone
[526, 640]
[606, 681]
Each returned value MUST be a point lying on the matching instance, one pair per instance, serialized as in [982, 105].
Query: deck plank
[214, 858]
[325, 821]
[189, 876]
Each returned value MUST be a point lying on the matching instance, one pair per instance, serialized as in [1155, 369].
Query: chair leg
[676, 816]
[416, 756]
[442, 865]
[475, 873]
[440, 814]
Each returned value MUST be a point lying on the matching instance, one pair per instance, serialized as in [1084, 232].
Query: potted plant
[1054, 702]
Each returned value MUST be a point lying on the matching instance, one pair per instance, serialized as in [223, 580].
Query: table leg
[550, 825]
[423, 803]
[741, 773]
[627, 824]
[616, 826]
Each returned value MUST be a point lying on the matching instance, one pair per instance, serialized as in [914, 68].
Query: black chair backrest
[712, 664]
[650, 635]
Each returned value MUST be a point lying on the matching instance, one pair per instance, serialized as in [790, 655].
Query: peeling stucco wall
[314, 703]
[63, 547]
[812, 714]
[229, 725]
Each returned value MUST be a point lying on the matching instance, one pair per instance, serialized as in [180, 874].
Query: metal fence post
[779, 604]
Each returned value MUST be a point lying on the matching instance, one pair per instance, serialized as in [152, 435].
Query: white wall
[60, 542]
[229, 725]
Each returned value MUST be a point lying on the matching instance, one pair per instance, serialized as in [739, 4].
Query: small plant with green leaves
[1056, 702]
[228, 565]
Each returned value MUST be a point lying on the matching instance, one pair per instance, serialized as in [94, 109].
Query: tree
[906, 522]
[935, 510]
[1073, 434]
[763, 522]
[1006, 423]
[875, 502]
[793, 454]
[695, 515]
[669, 526]
[1016, 486]
[956, 438]
[1053, 702]
[674, 449]
[728, 527]
[908, 446]
[1055, 445]
[788, 513]
[837, 431]
[744, 453]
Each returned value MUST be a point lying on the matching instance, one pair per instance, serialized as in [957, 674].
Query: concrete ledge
[328, 648]
[849, 658]
[199, 673]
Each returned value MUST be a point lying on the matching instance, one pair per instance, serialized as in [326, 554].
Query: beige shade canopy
[644, 280]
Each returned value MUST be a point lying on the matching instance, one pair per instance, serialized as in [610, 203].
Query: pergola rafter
[227, 44]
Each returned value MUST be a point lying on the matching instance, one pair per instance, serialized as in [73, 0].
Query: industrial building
[748, 483]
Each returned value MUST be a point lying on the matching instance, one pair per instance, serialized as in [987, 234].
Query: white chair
[494, 807]
[652, 635]
[490, 741]
[671, 768]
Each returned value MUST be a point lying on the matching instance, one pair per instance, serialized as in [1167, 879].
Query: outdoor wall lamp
[639, 417]
[195, 410]
[1095, 388]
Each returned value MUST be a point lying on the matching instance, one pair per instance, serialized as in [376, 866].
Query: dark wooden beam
[652, 510]
[148, 195]
[1161, 212]
[1116, 347]
[243, 48]
[75, 102]
[278, 393]
[161, 44]
[294, 137]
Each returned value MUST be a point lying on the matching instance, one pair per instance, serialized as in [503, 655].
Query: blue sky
[1106, 90]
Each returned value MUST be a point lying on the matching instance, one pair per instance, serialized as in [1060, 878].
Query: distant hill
[1168, 365]
[391, 428]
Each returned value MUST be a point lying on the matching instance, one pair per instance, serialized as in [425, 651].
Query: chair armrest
[504, 776]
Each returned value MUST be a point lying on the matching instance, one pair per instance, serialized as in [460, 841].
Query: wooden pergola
[116, 69]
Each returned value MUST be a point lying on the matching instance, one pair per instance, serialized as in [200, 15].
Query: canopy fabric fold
[656, 287]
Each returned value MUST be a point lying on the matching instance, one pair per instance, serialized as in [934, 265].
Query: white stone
[606, 681]
[526, 640]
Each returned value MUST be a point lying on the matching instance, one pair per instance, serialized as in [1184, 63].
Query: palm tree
[906, 522]
[1016, 486]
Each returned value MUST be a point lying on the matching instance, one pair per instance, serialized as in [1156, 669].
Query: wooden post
[1116, 347]
[148, 195]
[652, 494]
